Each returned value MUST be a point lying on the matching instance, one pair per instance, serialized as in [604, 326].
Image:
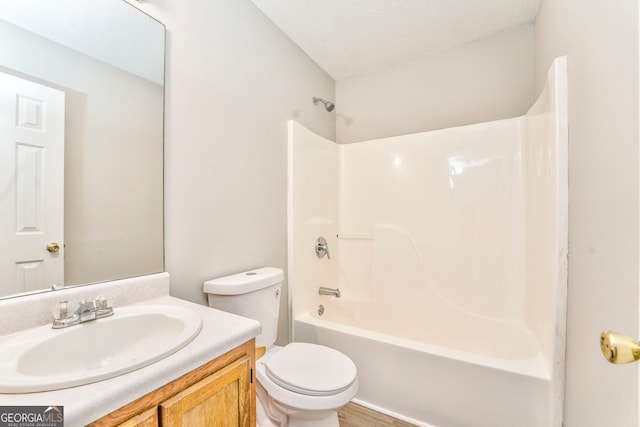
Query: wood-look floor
[353, 415]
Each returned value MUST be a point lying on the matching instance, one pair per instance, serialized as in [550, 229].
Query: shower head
[327, 104]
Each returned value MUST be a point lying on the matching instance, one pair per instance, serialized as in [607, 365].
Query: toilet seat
[311, 369]
[296, 400]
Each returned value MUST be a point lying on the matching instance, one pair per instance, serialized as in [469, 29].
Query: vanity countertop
[220, 333]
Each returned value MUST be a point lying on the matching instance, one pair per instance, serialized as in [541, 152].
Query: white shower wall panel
[546, 217]
[451, 202]
[312, 213]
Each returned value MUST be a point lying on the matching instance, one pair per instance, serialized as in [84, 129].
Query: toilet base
[262, 418]
[271, 414]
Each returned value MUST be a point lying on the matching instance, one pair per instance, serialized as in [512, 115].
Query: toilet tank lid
[242, 283]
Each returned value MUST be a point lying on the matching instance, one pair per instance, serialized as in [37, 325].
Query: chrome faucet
[329, 291]
[322, 248]
[86, 311]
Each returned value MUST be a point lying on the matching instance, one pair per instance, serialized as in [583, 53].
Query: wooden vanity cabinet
[218, 393]
[148, 418]
[221, 399]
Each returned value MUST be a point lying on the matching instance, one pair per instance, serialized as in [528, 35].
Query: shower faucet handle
[322, 248]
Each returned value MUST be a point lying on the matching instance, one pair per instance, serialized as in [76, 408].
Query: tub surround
[220, 333]
[460, 236]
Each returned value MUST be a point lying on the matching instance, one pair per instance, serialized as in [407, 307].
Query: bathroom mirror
[89, 76]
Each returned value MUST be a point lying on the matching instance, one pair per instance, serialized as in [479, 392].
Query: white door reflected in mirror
[31, 184]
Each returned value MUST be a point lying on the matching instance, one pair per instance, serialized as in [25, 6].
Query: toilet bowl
[300, 384]
[304, 385]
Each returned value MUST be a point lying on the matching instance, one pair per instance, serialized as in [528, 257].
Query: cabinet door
[148, 418]
[222, 399]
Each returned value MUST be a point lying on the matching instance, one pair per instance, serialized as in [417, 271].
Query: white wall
[233, 80]
[601, 41]
[487, 80]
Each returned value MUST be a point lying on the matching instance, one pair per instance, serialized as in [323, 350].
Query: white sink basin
[43, 358]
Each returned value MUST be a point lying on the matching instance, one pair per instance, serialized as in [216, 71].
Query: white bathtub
[431, 385]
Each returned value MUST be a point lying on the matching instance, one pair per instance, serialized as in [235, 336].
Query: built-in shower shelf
[346, 236]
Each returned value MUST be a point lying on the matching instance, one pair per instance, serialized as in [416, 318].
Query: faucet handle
[102, 307]
[322, 248]
[101, 302]
[61, 310]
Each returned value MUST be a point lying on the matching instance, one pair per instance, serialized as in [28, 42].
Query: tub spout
[329, 291]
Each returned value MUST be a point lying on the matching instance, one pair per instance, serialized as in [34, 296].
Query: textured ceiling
[349, 37]
[110, 31]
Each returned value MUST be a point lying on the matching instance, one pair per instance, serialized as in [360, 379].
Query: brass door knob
[618, 348]
[53, 247]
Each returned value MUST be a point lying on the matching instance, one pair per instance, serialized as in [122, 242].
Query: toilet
[300, 384]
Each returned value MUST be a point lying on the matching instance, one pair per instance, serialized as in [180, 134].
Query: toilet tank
[254, 294]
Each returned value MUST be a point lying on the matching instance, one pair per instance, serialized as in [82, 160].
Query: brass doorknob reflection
[618, 348]
[53, 247]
